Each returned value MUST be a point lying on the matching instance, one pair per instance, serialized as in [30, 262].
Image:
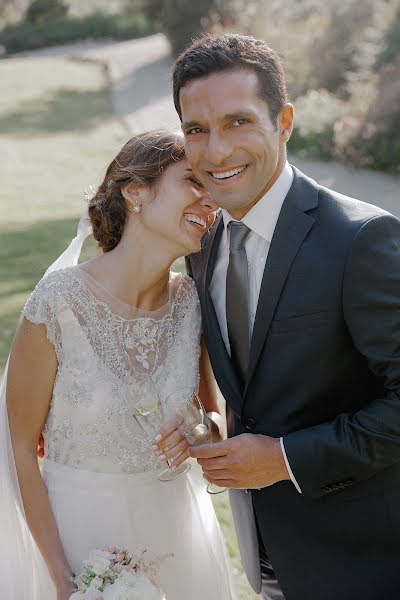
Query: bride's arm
[30, 381]
[208, 394]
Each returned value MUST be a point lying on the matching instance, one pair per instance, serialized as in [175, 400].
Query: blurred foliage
[316, 114]
[391, 45]
[366, 132]
[30, 36]
[12, 11]
[375, 142]
[182, 21]
[341, 59]
[45, 11]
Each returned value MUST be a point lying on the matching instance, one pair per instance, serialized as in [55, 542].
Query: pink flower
[118, 568]
[120, 557]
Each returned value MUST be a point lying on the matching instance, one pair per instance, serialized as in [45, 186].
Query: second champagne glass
[150, 415]
[187, 410]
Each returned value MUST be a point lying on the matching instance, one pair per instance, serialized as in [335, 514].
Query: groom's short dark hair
[212, 54]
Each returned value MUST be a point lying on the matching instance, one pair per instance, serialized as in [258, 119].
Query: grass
[57, 135]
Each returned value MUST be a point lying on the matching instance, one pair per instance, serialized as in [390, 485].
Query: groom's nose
[218, 148]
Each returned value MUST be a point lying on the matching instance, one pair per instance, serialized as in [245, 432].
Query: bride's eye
[195, 181]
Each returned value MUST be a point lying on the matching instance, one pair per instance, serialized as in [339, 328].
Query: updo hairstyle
[141, 161]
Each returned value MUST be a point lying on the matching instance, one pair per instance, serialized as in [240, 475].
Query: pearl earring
[136, 208]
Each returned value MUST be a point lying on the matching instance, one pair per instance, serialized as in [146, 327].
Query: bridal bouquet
[113, 574]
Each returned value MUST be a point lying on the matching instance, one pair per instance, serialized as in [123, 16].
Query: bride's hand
[172, 444]
[65, 590]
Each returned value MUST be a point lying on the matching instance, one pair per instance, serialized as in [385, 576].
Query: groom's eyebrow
[244, 114]
[190, 124]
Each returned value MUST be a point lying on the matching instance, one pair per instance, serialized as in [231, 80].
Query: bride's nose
[207, 201]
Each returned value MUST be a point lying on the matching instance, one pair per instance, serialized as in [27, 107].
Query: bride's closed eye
[196, 182]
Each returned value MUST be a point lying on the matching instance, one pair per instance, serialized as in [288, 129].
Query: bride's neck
[138, 276]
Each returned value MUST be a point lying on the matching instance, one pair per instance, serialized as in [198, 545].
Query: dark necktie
[237, 298]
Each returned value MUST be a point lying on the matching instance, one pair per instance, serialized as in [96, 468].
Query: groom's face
[232, 144]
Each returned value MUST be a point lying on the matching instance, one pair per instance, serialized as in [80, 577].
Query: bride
[91, 338]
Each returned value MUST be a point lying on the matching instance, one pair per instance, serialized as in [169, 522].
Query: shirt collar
[262, 218]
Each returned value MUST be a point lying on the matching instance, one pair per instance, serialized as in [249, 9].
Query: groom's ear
[286, 119]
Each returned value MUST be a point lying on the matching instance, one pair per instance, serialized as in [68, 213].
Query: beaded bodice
[106, 360]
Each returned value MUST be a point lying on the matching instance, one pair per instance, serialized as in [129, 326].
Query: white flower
[96, 583]
[81, 585]
[99, 565]
[93, 594]
[132, 586]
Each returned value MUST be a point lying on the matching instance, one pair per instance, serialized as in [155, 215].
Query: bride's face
[181, 210]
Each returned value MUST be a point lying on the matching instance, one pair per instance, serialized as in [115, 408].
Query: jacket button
[250, 423]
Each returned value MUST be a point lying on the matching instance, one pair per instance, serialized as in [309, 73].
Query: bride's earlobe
[135, 208]
[131, 194]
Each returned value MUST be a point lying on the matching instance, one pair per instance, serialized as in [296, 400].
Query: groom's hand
[247, 461]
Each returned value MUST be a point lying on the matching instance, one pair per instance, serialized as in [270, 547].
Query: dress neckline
[121, 309]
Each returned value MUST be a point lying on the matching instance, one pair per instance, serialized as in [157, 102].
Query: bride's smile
[175, 213]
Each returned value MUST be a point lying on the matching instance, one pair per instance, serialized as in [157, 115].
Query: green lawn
[57, 135]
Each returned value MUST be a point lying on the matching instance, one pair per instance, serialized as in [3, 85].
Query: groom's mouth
[231, 174]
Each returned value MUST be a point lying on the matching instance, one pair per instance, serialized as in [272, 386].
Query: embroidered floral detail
[104, 364]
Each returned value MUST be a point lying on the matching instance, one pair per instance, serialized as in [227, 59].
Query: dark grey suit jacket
[324, 373]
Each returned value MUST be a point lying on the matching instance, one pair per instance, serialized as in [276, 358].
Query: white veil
[21, 566]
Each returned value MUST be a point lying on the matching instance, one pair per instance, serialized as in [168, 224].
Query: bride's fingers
[174, 437]
[174, 450]
[166, 430]
[180, 459]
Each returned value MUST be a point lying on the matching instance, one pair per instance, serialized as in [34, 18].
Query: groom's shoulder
[337, 209]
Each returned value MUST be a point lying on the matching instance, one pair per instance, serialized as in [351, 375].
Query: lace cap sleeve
[42, 306]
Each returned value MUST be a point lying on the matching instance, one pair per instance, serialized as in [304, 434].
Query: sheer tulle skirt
[140, 513]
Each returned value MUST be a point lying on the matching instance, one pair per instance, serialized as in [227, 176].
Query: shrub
[29, 36]
[376, 143]
[180, 20]
[315, 116]
[391, 47]
[44, 11]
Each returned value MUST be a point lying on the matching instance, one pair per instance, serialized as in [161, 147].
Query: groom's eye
[194, 130]
[238, 122]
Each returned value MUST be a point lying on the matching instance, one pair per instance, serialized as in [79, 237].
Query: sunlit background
[77, 78]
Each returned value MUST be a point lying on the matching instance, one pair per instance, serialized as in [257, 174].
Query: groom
[300, 295]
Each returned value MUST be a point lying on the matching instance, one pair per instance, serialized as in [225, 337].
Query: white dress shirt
[261, 220]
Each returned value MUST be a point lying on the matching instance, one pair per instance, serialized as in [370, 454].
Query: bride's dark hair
[140, 161]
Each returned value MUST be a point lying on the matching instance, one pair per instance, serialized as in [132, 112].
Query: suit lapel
[291, 229]
[216, 347]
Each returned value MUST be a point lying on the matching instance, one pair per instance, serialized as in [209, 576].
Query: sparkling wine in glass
[149, 414]
[187, 410]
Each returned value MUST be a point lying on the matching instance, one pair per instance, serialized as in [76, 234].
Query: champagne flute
[149, 414]
[187, 410]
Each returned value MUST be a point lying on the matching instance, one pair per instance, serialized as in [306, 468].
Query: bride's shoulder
[183, 284]
[50, 290]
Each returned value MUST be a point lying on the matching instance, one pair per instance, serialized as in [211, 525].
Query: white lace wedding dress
[101, 475]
